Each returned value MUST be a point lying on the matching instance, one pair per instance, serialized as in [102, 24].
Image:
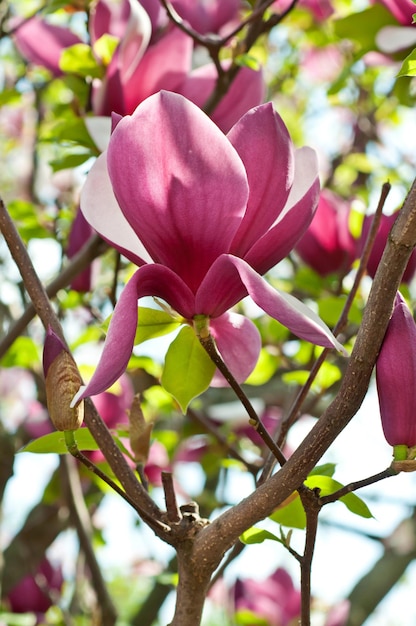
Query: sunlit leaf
[105, 46]
[408, 67]
[328, 485]
[23, 353]
[257, 535]
[154, 323]
[244, 617]
[290, 513]
[188, 369]
[266, 366]
[55, 443]
[79, 59]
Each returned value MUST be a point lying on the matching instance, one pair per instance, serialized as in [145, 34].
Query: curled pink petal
[239, 344]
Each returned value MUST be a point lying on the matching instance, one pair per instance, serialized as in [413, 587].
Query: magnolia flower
[377, 250]
[146, 59]
[33, 592]
[396, 377]
[203, 215]
[274, 599]
[208, 16]
[328, 245]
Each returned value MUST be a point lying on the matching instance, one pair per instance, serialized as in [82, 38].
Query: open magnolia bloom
[203, 215]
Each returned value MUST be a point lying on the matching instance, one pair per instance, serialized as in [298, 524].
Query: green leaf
[290, 513]
[154, 323]
[264, 370]
[79, 59]
[105, 46]
[244, 617]
[328, 485]
[23, 353]
[70, 160]
[55, 443]
[364, 26]
[408, 67]
[257, 535]
[247, 60]
[188, 369]
[28, 220]
[326, 469]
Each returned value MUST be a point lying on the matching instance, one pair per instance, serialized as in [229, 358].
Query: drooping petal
[230, 271]
[264, 145]
[179, 182]
[396, 377]
[42, 43]
[102, 212]
[149, 280]
[239, 344]
[246, 91]
[163, 66]
[295, 217]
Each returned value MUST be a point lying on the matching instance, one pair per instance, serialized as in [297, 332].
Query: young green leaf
[257, 535]
[408, 67]
[188, 369]
[154, 323]
[55, 443]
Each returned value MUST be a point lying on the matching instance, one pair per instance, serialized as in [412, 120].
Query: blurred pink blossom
[274, 598]
[328, 245]
[32, 593]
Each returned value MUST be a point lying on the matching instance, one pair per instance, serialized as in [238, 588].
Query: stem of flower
[209, 345]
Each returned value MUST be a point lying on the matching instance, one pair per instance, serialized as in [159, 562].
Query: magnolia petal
[239, 344]
[179, 182]
[295, 217]
[292, 313]
[264, 145]
[101, 210]
[149, 280]
[396, 377]
[393, 38]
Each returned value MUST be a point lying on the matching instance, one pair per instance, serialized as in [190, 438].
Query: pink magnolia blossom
[386, 224]
[32, 593]
[396, 377]
[203, 215]
[328, 245]
[274, 598]
[321, 9]
[146, 59]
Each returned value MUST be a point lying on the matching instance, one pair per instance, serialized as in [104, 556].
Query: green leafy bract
[154, 323]
[257, 535]
[188, 369]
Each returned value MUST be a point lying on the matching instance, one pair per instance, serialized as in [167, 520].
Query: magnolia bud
[62, 381]
[140, 432]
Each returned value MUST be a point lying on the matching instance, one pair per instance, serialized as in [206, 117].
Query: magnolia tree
[196, 287]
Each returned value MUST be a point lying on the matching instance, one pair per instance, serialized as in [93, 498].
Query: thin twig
[358, 484]
[82, 522]
[174, 514]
